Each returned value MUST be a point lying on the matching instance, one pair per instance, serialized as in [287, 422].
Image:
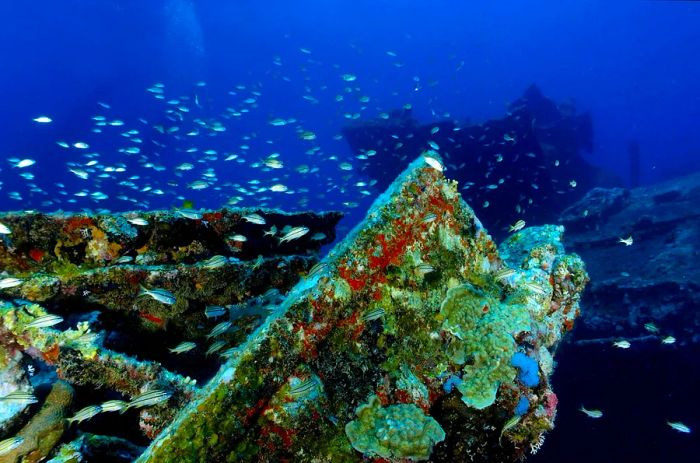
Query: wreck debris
[75, 311]
[415, 359]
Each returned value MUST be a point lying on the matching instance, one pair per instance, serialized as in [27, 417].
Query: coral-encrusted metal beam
[415, 338]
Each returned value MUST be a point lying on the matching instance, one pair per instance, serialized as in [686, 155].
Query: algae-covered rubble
[415, 338]
[107, 302]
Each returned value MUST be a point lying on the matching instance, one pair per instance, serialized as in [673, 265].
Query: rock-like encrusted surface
[657, 278]
[415, 338]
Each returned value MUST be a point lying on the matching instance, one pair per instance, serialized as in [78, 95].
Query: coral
[396, 431]
[482, 330]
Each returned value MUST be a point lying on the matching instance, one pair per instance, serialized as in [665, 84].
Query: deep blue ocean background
[633, 64]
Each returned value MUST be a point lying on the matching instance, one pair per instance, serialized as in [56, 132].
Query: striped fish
[45, 321]
[254, 218]
[85, 414]
[517, 226]
[4, 229]
[150, 398]
[215, 347]
[373, 314]
[536, 288]
[317, 270]
[20, 398]
[10, 282]
[215, 262]
[161, 295]
[219, 329]
[114, 406]
[8, 445]
[510, 424]
[424, 268]
[228, 353]
[504, 273]
[183, 347]
[294, 234]
[303, 388]
[429, 217]
[214, 311]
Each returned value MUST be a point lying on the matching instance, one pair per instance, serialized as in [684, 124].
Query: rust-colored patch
[51, 354]
[37, 255]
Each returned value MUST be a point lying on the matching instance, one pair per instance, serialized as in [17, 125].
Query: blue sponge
[452, 382]
[528, 374]
[522, 407]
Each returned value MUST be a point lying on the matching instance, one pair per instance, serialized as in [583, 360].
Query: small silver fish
[519, 225]
[626, 241]
[373, 314]
[123, 260]
[622, 344]
[188, 214]
[303, 388]
[139, 221]
[20, 398]
[215, 347]
[114, 406]
[294, 234]
[214, 311]
[424, 268]
[85, 414]
[591, 413]
[536, 288]
[254, 218]
[45, 321]
[668, 340]
[678, 426]
[510, 424]
[8, 445]
[317, 270]
[650, 327]
[219, 329]
[4, 230]
[10, 282]
[504, 273]
[150, 398]
[430, 217]
[432, 162]
[183, 347]
[215, 262]
[161, 295]
[228, 353]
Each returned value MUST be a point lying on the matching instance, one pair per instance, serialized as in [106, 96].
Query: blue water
[632, 64]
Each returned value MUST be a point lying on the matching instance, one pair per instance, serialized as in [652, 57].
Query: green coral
[482, 328]
[396, 431]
